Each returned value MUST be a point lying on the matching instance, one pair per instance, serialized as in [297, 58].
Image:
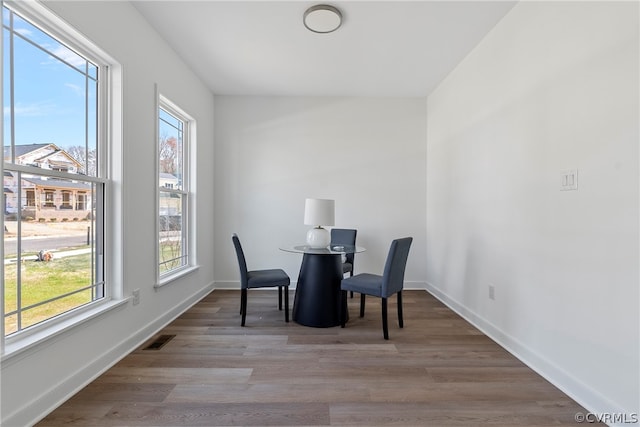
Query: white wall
[273, 152]
[554, 86]
[35, 382]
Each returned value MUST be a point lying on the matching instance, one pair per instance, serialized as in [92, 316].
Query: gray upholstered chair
[260, 279]
[391, 282]
[345, 236]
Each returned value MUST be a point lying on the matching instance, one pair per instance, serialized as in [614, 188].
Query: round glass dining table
[317, 299]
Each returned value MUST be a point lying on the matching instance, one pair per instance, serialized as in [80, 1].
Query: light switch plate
[569, 179]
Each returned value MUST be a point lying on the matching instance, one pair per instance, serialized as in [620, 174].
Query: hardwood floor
[437, 371]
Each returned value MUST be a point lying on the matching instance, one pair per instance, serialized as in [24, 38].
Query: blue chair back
[242, 263]
[344, 236]
[393, 276]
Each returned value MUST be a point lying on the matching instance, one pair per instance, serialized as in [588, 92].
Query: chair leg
[400, 321]
[351, 275]
[280, 298]
[286, 304]
[343, 308]
[362, 305]
[243, 305]
[385, 324]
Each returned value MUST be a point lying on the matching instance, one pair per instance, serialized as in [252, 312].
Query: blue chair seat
[347, 267]
[267, 278]
[364, 283]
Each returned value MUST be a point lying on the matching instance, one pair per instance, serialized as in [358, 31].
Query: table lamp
[319, 212]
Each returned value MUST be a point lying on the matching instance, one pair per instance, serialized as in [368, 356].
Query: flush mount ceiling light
[322, 18]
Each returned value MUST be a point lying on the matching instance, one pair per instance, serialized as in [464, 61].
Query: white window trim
[110, 128]
[2, 344]
[189, 134]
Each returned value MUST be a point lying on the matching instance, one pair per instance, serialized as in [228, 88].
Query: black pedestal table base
[317, 301]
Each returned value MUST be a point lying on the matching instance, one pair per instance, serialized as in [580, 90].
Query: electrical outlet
[136, 296]
[492, 292]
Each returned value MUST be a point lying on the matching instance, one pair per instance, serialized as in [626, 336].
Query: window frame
[108, 176]
[186, 192]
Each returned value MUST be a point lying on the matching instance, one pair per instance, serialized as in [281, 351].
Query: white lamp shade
[319, 212]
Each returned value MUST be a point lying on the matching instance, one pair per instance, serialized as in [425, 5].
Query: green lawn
[170, 255]
[45, 280]
[42, 281]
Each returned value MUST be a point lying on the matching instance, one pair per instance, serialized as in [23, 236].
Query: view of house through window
[53, 185]
[173, 196]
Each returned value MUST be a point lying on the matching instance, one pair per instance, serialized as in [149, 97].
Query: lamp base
[318, 238]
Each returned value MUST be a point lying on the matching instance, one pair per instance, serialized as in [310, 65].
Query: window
[48, 199]
[31, 198]
[55, 98]
[174, 131]
[59, 168]
[80, 202]
[66, 200]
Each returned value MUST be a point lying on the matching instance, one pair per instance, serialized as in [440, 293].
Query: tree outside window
[173, 188]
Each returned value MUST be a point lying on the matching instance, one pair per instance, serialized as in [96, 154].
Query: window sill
[17, 347]
[169, 278]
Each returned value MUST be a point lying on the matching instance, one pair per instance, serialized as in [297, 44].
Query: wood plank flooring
[437, 371]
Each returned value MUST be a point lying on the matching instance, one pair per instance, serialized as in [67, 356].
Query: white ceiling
[383, 48]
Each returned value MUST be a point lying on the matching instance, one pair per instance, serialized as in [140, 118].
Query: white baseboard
[231, 285]
[590, 399]
[415, 286]
[235, 285]
[50, 399]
